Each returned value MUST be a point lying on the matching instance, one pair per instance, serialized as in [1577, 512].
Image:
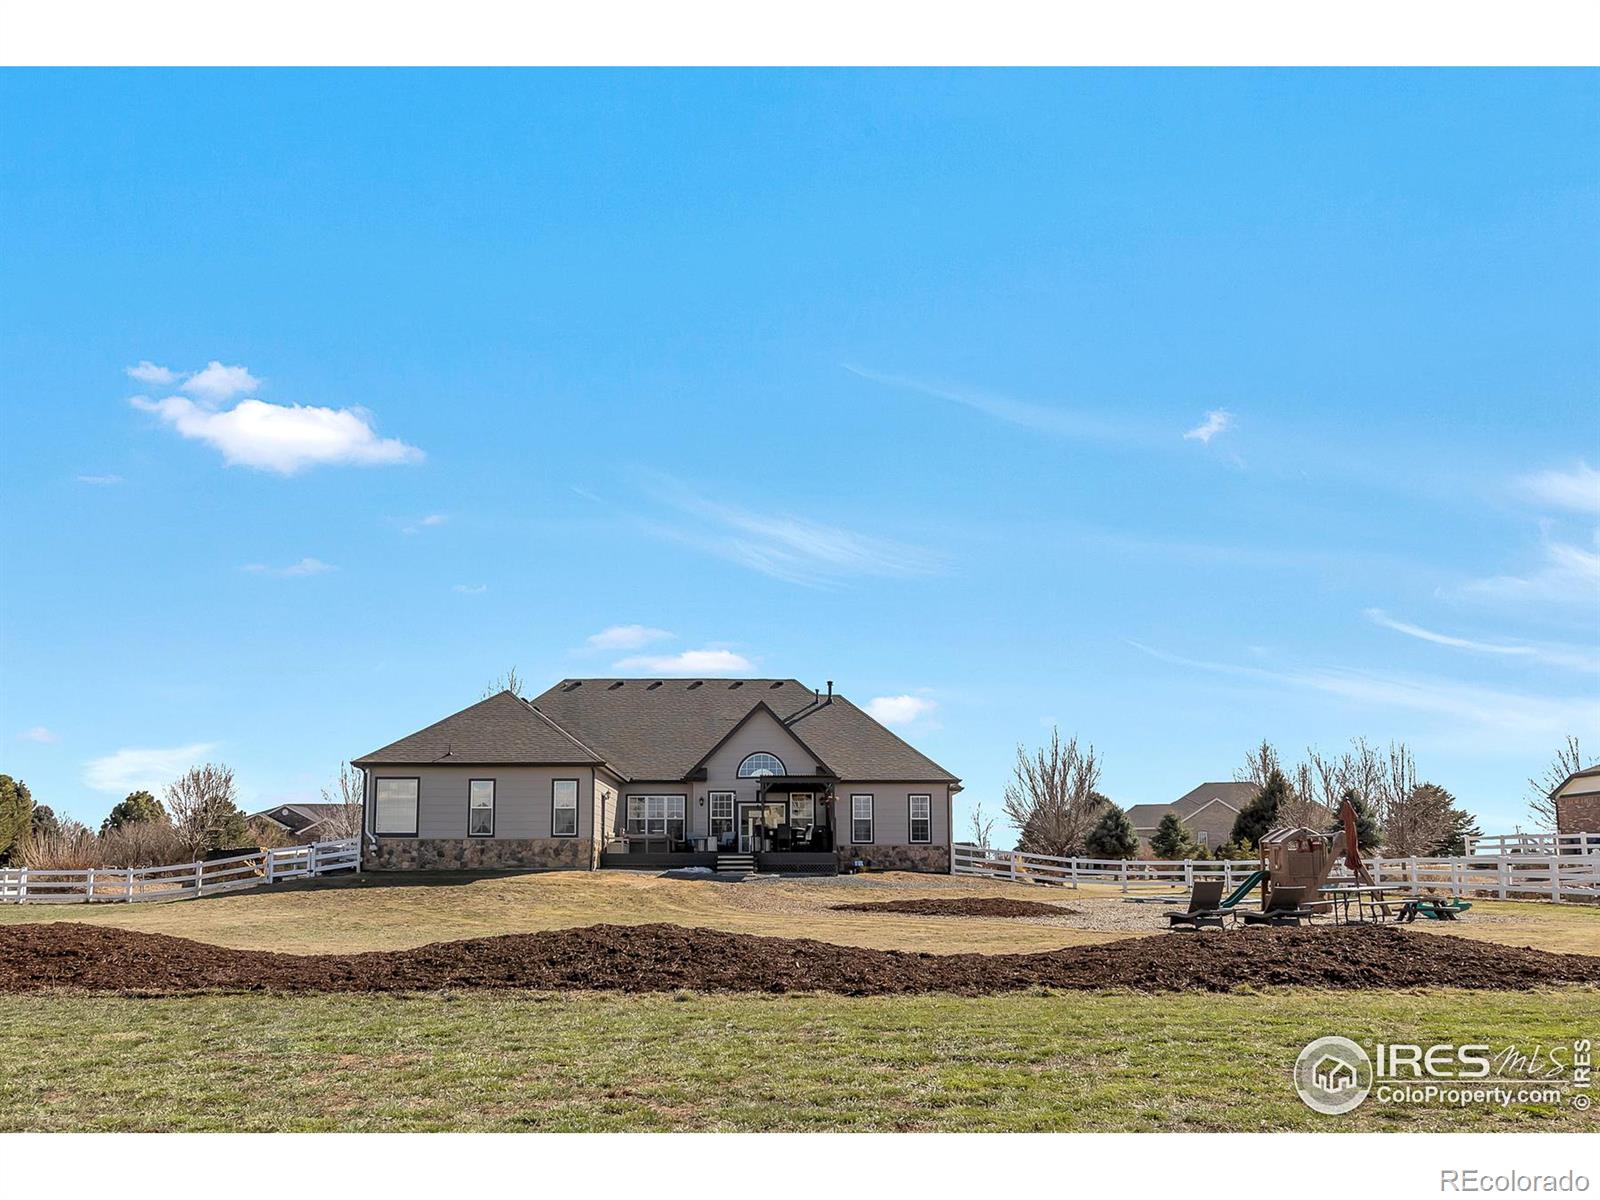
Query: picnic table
[1369, 900]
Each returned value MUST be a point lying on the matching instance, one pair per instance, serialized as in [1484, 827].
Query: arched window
[761, 763]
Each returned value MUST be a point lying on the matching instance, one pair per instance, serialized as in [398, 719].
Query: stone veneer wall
[477, 854]
[932, 859]
[1578, 814]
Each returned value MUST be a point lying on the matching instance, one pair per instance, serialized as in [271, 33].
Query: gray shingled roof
[297, 817]
[1148, 816]
[1235, 795]
[501, 729]
[659, 729]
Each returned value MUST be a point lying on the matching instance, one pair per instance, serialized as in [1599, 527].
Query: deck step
[736, 862]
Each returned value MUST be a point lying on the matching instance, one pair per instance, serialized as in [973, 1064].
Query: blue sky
[1180, 409]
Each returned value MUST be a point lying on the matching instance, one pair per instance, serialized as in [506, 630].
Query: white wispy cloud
[1218, 420]
[690, 662]
[216, 383]
[1555, 655]
[306, 566]
[1576, 488]
[900, 710]
[1569, 576]
[471, 589]
[100, 480]
[431, 521]
[1042, 418]
[41, 735]
[286, 438]
[130, 769]
[626, 637]
[149, 372]
[790, 548]
[1509, 718]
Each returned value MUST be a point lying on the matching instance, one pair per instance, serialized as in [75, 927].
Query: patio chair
[1283, 908]
[1203, 908]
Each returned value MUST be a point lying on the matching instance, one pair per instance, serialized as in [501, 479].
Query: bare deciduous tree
[982, 827]
[205, 815]
[350, 795]
[1052, 799]
[509, 682]
[1568, 760]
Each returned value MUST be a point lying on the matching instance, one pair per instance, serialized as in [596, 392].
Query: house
[304, 823]
[728, 773]
[1577, 802]
[1209, 812]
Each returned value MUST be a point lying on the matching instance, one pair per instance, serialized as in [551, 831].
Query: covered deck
[789, 826]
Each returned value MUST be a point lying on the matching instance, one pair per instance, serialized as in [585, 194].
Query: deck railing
[48, 885]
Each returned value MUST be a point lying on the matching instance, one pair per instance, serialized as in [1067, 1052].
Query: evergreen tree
[1369, 834]
[1172, 839]
[1112, 836]
[45, 822]
[133, 808]
[1261, 814]
[16, 812]
[1463, 828]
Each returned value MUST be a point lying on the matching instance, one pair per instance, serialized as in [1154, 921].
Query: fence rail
[1534, 843]
[1557, 877]
[43, 885]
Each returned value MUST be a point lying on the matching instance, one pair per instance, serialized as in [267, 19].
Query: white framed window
[761, 763]
[394, 807]
[921, 818]
[721, 814]
[564, 808]
[861, 818]
[656, 816]
[802, 808]
[480, 808]
[1202, 837]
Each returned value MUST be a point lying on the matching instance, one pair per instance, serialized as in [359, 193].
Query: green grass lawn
[532, 1061]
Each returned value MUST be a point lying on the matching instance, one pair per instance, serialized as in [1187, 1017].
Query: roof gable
[777, 728]
[1233, 794]
[500, 729]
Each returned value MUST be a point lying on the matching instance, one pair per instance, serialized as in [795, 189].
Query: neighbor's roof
[660, 729]
[1586, 773]
[298, 817]
[1234, 795]
[502, 729]
[1147, 816]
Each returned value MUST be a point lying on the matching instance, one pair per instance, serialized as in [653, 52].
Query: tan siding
[522, 798]
[891, 811]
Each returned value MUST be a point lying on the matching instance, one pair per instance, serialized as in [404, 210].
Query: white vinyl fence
[38, 885]
[1534, 843]
[1558, 877]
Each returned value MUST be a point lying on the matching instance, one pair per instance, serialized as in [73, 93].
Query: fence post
[89, 896]
[1502, 875]
[1013, 862]
[22, 885]
[1188, 872]
[311, 859]
[1555, 878]
[200, 878]
[130, 885]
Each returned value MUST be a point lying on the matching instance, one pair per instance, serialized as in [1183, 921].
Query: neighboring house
[657, 772]
[1577, 802]
[304, 823]
[1209, 812]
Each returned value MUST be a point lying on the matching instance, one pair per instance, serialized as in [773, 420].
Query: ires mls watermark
[1335, 1075]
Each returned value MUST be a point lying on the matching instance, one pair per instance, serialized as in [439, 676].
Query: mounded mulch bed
[966, 906]
[654, 958]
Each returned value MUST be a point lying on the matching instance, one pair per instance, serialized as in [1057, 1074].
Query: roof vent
[775, 685]
[736, 685]
[614, 686]
[573, 686]
[653, 686]
[695, 684]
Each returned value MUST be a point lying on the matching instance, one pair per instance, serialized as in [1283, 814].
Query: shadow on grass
[396, 879]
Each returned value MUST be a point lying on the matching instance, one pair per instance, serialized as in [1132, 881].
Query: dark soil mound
[653, 958]
[969, 906]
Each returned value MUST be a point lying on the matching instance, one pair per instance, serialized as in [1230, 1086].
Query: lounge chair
[1203, 907]
[1283, 908]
